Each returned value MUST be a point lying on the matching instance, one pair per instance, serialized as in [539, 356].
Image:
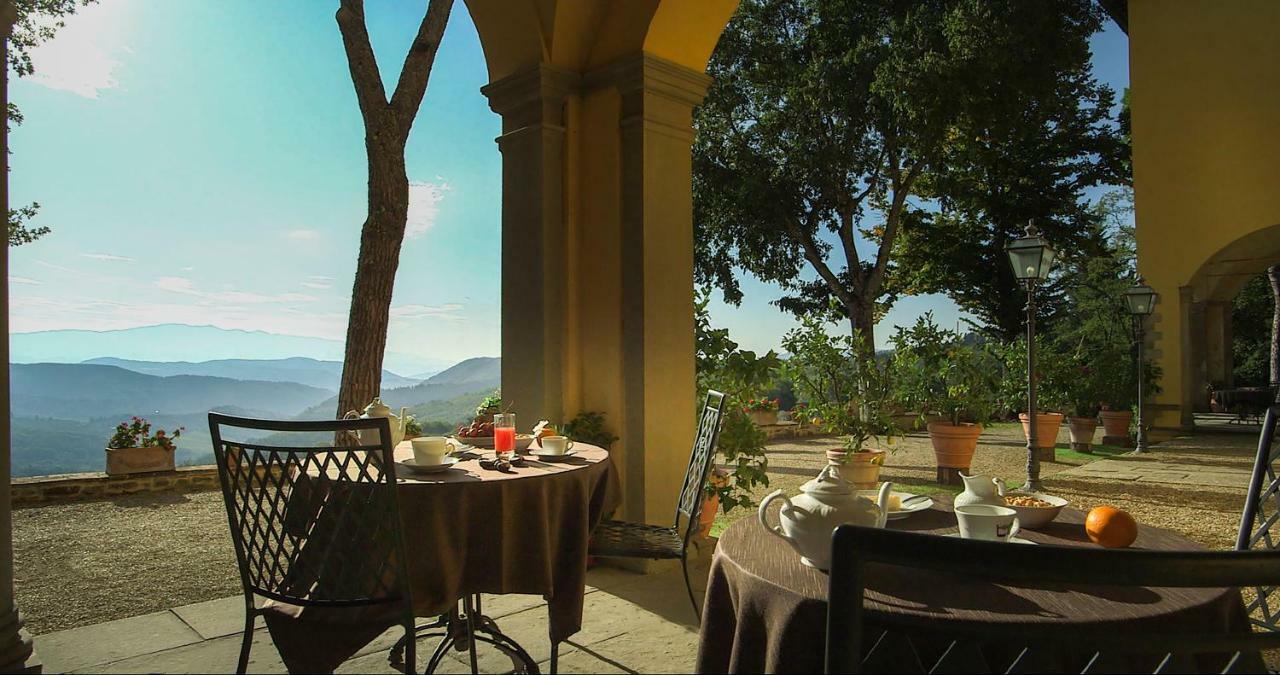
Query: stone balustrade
[94, 485]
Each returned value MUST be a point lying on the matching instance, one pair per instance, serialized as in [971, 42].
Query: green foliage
[1251, 315]
[589, 427]
[490, 405]
[847, 392]
[136, 433]
[19, 232]
[742, 376]
[412, 427]
[936, 371]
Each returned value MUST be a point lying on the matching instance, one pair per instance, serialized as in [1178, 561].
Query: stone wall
[84, 486]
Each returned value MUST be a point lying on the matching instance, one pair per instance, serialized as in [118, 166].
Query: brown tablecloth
[472, 530]
[766, 612]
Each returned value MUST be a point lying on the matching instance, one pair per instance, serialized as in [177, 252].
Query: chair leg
[684, 567]
[246, 643]
[410, 648]
[555, 657]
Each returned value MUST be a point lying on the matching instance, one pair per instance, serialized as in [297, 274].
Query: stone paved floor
[632, 623]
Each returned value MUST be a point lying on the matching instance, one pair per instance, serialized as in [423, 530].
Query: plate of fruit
[480, 435]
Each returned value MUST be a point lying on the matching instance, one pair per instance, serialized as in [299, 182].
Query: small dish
[412, 465]
[914, 507]
[1035, 517]
[1012, 540]
[551, 457]
[486, 442]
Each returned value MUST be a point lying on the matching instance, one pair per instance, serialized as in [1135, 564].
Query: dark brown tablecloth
[766, 612]
[471, 530]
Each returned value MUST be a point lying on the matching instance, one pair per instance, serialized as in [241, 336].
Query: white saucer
[413, 465]
[551, 457]
[914, 507]
[1012, 540]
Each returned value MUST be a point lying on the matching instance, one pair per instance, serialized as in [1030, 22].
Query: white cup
[988, 523]
[430, 450]
[556, 445]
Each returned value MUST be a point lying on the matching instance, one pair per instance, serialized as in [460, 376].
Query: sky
[203, 163]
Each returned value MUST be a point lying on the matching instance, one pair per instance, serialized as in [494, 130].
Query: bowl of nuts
[1035, 509]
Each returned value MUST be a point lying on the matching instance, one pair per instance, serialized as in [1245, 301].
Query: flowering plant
[760, 405]
[136, 433]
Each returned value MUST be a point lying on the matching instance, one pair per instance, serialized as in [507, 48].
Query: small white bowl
[1033, 517]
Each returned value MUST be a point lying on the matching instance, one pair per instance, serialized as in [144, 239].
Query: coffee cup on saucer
[556, 445]
[430, 450]
[987, 522]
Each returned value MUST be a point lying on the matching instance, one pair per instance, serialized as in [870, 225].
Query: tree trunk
[863, 323]
[380, 242]
[1273, 274]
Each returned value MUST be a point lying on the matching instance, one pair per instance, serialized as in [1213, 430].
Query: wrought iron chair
[618, 539]
[854, 547]
[315, 526]
[1261, 512]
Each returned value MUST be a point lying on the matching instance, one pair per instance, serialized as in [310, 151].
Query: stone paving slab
[79, 648]
[216, 618]
[1152, 470]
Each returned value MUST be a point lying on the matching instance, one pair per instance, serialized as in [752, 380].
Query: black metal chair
[619, 539]
[316, 526]
[854, 547]
[1261, 512]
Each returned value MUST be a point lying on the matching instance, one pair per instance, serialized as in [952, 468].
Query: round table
[766, 612]
[472, 530]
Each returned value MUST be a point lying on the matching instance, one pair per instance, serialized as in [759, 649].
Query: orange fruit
[1110, 527]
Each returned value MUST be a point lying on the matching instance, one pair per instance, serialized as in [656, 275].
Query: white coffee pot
[981, 490]
[377, 408]
[825, 503]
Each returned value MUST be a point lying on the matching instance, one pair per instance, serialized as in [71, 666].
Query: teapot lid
[377, 408]
[828, 482]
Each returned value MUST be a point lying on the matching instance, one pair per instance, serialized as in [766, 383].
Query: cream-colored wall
[1205, 97]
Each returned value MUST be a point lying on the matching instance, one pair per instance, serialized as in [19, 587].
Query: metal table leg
[461, 630]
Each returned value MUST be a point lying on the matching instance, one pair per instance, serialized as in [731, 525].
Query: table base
[461, 630]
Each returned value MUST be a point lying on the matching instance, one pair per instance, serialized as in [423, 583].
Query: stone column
[656, 226]
[1192, 342]
[16, 653]
[532, 106]
[1217, 324]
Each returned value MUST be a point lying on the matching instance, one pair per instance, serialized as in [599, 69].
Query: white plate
[551, 457]
[1012, 540]
[913, 507]
[412, 465]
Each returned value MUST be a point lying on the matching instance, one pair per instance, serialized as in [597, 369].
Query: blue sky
[202, 162]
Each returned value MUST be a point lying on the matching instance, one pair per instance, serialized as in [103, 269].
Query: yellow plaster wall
[1205, 97]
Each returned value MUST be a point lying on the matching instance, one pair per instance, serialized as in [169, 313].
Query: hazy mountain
[85, 391]
[180, 342]
[323, 374]
[472, 375]
[482, 369]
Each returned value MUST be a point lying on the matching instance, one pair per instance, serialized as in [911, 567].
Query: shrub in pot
[1054, 381]
[861, 422]
[937, 372]
[134, 449]
[763, 411]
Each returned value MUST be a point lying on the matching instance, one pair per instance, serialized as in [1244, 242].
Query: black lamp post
[1031, 257]
[1141, 300]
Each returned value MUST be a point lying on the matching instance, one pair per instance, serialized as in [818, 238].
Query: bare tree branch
[417, 64]
[370, 93]
[804, 237]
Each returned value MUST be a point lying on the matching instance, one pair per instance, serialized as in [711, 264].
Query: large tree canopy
[841, 134]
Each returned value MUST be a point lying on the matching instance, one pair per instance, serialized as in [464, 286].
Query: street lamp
[1031, 257]
[1141, 300]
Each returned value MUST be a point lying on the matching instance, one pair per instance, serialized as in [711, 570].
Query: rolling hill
[311, 372]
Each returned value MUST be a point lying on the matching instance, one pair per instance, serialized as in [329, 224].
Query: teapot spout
[882, 501]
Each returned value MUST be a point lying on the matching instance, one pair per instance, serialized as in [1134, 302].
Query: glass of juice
[504, 435]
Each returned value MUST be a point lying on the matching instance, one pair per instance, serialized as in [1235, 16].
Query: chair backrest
[704, 451]
[314, 522]
[972, 561]
[1261, 513]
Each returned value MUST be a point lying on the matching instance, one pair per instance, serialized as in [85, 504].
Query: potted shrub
[1085, 394]
[763, 411]
[134, 449]
[861, 421]
[1054, 382]
[936, 371]
[412, 427]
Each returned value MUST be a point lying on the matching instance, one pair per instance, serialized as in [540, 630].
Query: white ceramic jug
[825, 503]
[981, 490]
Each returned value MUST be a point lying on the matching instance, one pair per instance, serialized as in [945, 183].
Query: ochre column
[656, 227]
[16, 654]
[532, 106]
[1191, 339]
[1217, 323]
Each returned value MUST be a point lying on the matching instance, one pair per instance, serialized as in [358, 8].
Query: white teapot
[379, 409]
[826, 502]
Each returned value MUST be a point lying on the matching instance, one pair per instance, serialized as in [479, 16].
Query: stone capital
[657, 94]
[534, 97]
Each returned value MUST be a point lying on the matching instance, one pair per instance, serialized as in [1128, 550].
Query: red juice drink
[504, 434]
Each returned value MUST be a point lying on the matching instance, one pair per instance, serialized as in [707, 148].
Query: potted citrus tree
[134, 449]
[1085, 392]
[1053, 391]
[861, 422]
[936, 371]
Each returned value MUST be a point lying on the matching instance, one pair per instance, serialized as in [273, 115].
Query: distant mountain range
[63, 413]
[180, 342]
[323, 374]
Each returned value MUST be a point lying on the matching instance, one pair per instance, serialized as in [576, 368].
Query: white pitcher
[981, 490]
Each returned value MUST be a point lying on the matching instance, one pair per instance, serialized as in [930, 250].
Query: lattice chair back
[314, 523]
[704, 451]
[1027, 646]
[1261, 512]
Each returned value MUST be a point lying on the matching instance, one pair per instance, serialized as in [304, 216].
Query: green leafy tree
[938, 371]
[1024, 148]
[1251, 314]
[33, 22]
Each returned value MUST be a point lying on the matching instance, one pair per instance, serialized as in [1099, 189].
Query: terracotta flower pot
[953, 445]
[122, 461]
[862, 469]
[764, 418]
[1115, 424]
[1082, 430]
[711, 503]
[1047, 426]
